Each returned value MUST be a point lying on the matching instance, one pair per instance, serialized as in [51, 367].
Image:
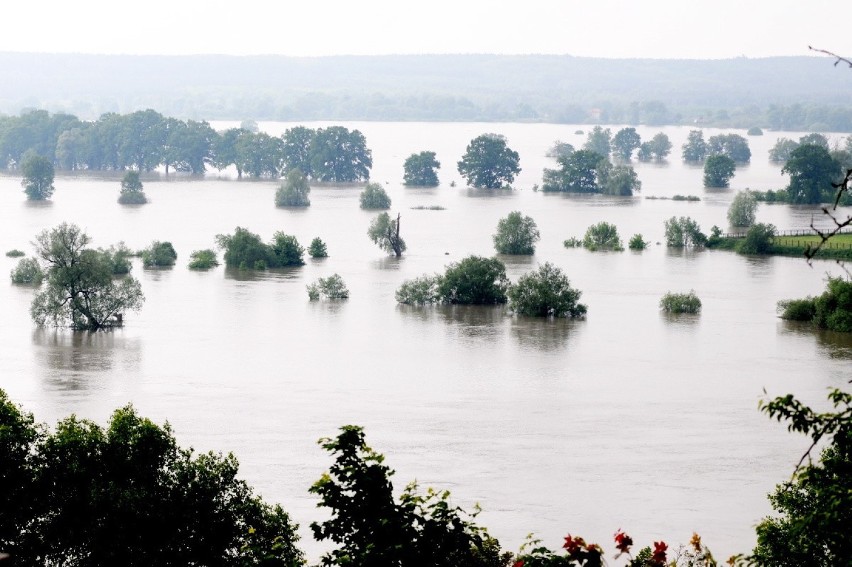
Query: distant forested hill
[803, 93]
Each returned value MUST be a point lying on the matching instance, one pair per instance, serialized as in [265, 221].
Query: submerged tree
[81, 291]
[385, 232]
[131, 190]
[294, 191]
[488, 163]
[546, 292]
[420, 170]
[38, 177]
[516, 234]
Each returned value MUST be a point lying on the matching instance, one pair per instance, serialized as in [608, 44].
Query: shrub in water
[317, 248]
[159, 255]
[203, 260]
[28, 271]
[680, 303]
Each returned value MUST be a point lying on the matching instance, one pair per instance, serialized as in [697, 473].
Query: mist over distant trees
[773, 92]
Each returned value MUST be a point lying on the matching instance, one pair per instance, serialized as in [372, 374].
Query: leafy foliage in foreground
[126, 494]
[815, 506]
[369, 527]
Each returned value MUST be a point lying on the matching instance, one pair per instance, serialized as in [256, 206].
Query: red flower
[659, 556]
[518, 563]
[573, 544]
[622, 542]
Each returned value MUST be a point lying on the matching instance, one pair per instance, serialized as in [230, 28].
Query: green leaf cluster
[831, 310]
[159, 255]
[368, 526]
[516, 234]
[546, 292]
[127, 494]
[245, 250]
[680, 302]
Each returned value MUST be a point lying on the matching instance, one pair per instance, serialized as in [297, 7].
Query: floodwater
[629, 419]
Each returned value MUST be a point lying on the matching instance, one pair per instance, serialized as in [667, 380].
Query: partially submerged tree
[602, 236]
[27, 272]
[246, 251]
[317, 248]
[385, 233]
[625, 142]
[684, 232]
[474, 281]
[374, 197]
[38, 177]
[718, 170]
[420, 170]
[599, 140]
[132, 192]
[695, 148]
[81, 291]
[578, 173]
[488, 163]
[516, 234]
[332, 287]
[159, 255]
[294, 191]
[546, 292]
[743, 209]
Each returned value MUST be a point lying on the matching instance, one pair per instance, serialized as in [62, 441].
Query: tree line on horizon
[146, 140]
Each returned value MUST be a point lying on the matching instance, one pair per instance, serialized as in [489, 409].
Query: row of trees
[146, 140]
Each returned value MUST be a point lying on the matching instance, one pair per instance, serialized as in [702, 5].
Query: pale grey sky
[702, 29]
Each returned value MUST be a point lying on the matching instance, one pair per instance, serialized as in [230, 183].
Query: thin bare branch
[838, 58]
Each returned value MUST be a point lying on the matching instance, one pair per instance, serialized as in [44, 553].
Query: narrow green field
[837, 241]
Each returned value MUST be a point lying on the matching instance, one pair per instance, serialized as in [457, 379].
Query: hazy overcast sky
[604, 28]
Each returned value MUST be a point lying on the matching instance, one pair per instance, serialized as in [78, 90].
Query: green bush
[15, 253]
[374, 197]
[754, 131]
[127, 494]
[474, 281]
[203, 260]
[683, 232]
[798, 309]
[317, 248]
[423, 290]
[131, 190]
[680, 303]
[516, 234]
[286, 251]
[245, 250]
[758, 240]
[118, 258]
[602, 236]
[743, 208]
[718, 170]
[28, 271]
[832, 310]
[637, 242]
[332, 287]
[293, 192]
[159, 255]
[572, 242]
[546, 292]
